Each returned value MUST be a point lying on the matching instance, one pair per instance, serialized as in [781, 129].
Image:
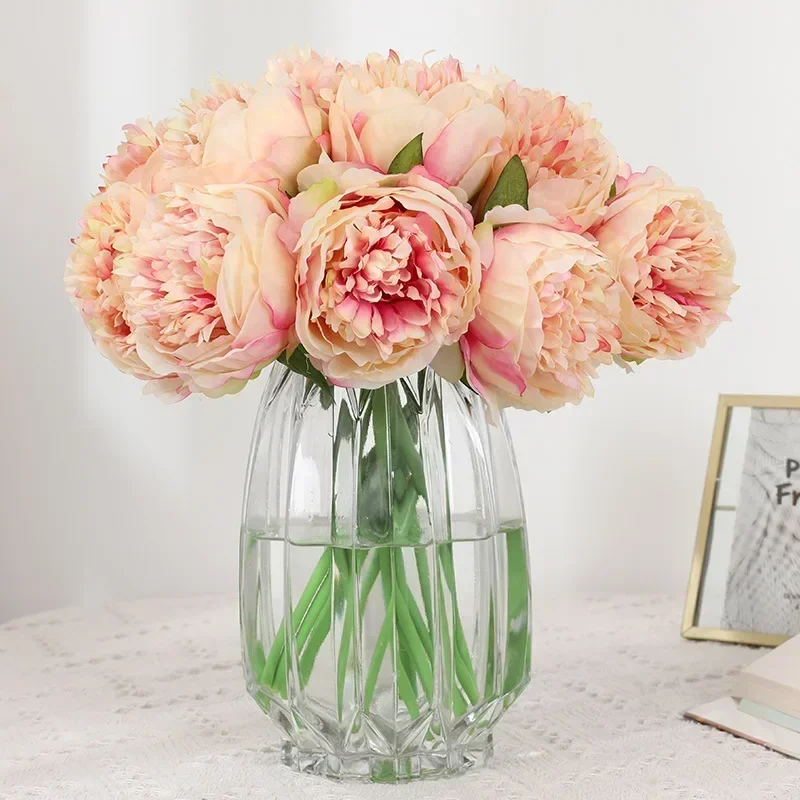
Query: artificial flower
[209, 287]
[571, 167]
[388, 271]
[547, 318]
[141, 142]
[675, 261]
[109, 221]
[382, 105]
[237, 134]
[304, 69]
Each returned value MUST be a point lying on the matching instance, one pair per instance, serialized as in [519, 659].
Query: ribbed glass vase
[385, 593]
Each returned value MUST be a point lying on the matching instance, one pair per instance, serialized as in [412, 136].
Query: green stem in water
[424, 572]
[452, 694]
[406, 691]
[317, 612]
[406, 656]
[464, 668]
[410, 636]
[518, 644]
[316, 638]
[343, 558]
[381, 644]
[488, 686]
[268, 674]
[368, 579]
[344, 649]
[413, 608]
[395, 453]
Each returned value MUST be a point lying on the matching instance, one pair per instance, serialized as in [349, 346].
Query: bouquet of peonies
[359, 222]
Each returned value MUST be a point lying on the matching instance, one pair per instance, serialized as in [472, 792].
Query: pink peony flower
[305, 69]
[383, 104]
[675, 262]
[209, 288]
[236, 134]
[193, 269]
[489, 81]
[110, 219]
[547, 318]
[379, 72]
[388, 272]
[141, 141]
[570, 166]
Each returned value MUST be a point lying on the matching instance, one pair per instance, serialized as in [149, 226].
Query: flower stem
[317, 612]
[424, 572]
[408, 636]
[391, 473]
[368, 579]
[268, 673]
[381, 643]
[406, 691]
[464, 669]
[406, 446]
[452, 694]
[518, 644]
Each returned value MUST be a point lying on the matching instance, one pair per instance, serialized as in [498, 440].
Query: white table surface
[146, 700]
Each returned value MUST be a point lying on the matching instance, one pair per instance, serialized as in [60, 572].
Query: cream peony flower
[237, 134]
[380, 72]
[675, 262]
[110, 219]
[388, 272]
[193, 269]
[141, 141]
[208, 287]
[305, 69]
[381, 105]
[546, 319]
[570, 166]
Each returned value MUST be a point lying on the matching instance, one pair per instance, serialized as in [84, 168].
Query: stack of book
[765, 702]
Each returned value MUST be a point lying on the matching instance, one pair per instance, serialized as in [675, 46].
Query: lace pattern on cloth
[145, 701]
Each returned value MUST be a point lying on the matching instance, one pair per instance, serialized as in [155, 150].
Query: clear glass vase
[385, 592]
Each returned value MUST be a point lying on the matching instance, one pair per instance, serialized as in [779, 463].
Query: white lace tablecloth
[146, 700]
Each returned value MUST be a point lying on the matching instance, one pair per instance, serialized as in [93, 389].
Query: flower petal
[463, 142]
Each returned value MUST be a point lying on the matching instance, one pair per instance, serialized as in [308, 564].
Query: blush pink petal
[240, 134]
[570, 166]
[386, 132]
[476, 175]
[463, 142]
[675, 261]
[345, 145]
[111, 220]
[272, 115]
[227, 144]
[209, 287]
[547, 318]
[382, 104]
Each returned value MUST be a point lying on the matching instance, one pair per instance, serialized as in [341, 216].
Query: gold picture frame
[690, 629]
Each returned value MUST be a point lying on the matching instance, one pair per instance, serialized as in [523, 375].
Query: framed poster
[744, 585]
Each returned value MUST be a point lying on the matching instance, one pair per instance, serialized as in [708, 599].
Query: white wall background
[106, 494]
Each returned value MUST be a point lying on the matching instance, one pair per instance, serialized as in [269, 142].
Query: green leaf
[408, 158]
[299, 362]
[613, 193]
[511, 188]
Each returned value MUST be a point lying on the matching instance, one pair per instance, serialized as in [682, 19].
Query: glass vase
[384, 587]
